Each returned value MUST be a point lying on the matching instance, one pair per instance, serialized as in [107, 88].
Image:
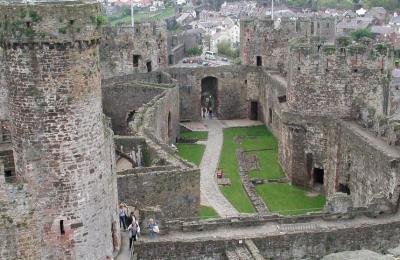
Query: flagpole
[132, 20]
[272, 10]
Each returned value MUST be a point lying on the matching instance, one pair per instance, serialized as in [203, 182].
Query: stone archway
[209, 94]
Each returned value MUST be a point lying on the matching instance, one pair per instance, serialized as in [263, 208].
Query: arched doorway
[209, 94]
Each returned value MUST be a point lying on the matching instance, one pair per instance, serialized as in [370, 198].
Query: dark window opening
[137, 30]
[245, 82]
[159, 60]
[169, 125]
[282, 99]
[355, 70]
[259, 61]
[318, 176]
[148, 65]
[170, 59]
[342, 50]
[136, 60]
[298, 68]
[344, 188]
[254, 110]
[28, 24]
[9, 176]
[62, 230]
[71, 22]
[270, 116]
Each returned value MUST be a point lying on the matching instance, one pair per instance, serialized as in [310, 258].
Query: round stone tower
[63, 150]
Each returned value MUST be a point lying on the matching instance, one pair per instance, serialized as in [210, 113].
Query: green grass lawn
[289, 200]
[207, 212]
[191, 152]
[235, 192]
[146, 16]
[282, 198]
[197, 135]
[269, 166]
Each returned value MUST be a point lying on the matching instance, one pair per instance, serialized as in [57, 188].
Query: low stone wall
[314, 244]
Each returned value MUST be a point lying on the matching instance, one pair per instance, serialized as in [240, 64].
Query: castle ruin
[332, 104]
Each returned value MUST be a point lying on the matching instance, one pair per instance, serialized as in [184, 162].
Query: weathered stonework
[63, 203]
[125, 50]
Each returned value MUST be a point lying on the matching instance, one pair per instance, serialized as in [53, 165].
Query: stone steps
[247, 251]
[239, 253]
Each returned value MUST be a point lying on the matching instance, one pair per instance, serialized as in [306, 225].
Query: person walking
[134, 231]
[122, 215]
[153, 228]
[130, 219]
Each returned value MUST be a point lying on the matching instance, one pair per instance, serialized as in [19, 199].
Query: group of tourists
[128, 221]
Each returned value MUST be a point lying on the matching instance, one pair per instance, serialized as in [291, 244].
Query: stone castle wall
[270, 40]
[165, 180]
[175, 191]
[119, 45]
[232, 99]
[329, 80]
[296, 245]
[63, 201]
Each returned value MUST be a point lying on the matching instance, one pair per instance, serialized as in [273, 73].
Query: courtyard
[260, 150]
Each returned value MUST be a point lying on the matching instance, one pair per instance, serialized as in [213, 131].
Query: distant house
[185, 18]
[348, 25]
[378, 13]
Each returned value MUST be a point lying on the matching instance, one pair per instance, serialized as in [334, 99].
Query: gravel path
[210, 192]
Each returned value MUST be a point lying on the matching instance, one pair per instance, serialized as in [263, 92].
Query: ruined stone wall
[330, 80]
[270, 40]
[297, 245]
[63, 201]
[167, 180]
[119, 45]
[232, 100]
[121, 99]
[364, 163]
[124, 95]
[303, 142]
[177, 191]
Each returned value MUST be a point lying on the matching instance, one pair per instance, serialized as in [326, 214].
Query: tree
[224, 48]
[361, 33]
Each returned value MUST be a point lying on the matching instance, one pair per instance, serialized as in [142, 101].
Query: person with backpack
[134, 231]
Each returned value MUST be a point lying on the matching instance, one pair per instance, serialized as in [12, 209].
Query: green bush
[361, 33]
[195, 51]
[224, 48]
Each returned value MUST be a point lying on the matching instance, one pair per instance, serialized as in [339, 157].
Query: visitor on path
[203, 112]
[122, 215]
[153, 228]
[130, 219]
[210, 113]
[134, 232]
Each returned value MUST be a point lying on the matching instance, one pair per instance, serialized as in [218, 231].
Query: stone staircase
[246, 251]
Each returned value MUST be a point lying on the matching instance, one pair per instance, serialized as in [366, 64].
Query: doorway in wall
[254, 110]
